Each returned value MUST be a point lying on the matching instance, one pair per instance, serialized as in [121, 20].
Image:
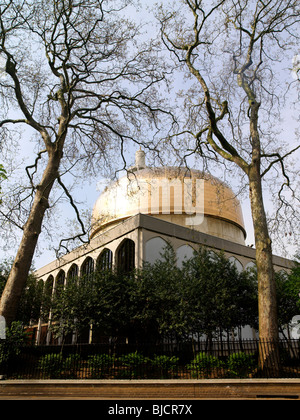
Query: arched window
[73, 273]
[49, 286]
[154, 249]
[250, 266]
[237, 263]
[87, 268]
[38, 301]
[47, 297]
[184, 253]
[126, 256]
[105, 259]
[212, 256]
[60, 281]
[283, 274]
[40, 287]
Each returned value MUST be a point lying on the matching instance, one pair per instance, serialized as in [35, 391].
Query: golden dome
[181, 196]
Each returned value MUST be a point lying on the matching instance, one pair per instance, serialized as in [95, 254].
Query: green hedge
[136, 366]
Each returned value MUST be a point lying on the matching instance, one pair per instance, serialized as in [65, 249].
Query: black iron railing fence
[188, 360]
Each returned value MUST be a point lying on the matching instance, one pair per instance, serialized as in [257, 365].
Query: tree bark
[267, 306]
[18, 276]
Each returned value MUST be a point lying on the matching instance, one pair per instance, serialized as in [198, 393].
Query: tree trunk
[18, 276]
[267, 306]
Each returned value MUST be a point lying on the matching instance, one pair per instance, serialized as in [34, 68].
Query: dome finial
[140, 159]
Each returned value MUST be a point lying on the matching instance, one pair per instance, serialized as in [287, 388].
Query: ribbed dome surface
[185, 197]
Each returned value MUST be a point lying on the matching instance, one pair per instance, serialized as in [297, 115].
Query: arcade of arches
[124, 257]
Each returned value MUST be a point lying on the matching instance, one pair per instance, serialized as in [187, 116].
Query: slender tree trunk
[267, 306]
[18, 276]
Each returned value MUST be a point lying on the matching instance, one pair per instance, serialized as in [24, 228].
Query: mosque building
[135, 218]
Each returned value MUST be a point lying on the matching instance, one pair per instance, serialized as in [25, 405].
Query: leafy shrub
[166, 365]
[240, 364]
[100, 365]
[70, 365]
[71, 360]
[132, 365]
[51, 365]
[132, 359]
[15, 340]
[203, 365]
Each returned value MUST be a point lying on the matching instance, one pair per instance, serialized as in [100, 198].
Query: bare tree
[74, 75]
[2, 176]
[232, 51]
